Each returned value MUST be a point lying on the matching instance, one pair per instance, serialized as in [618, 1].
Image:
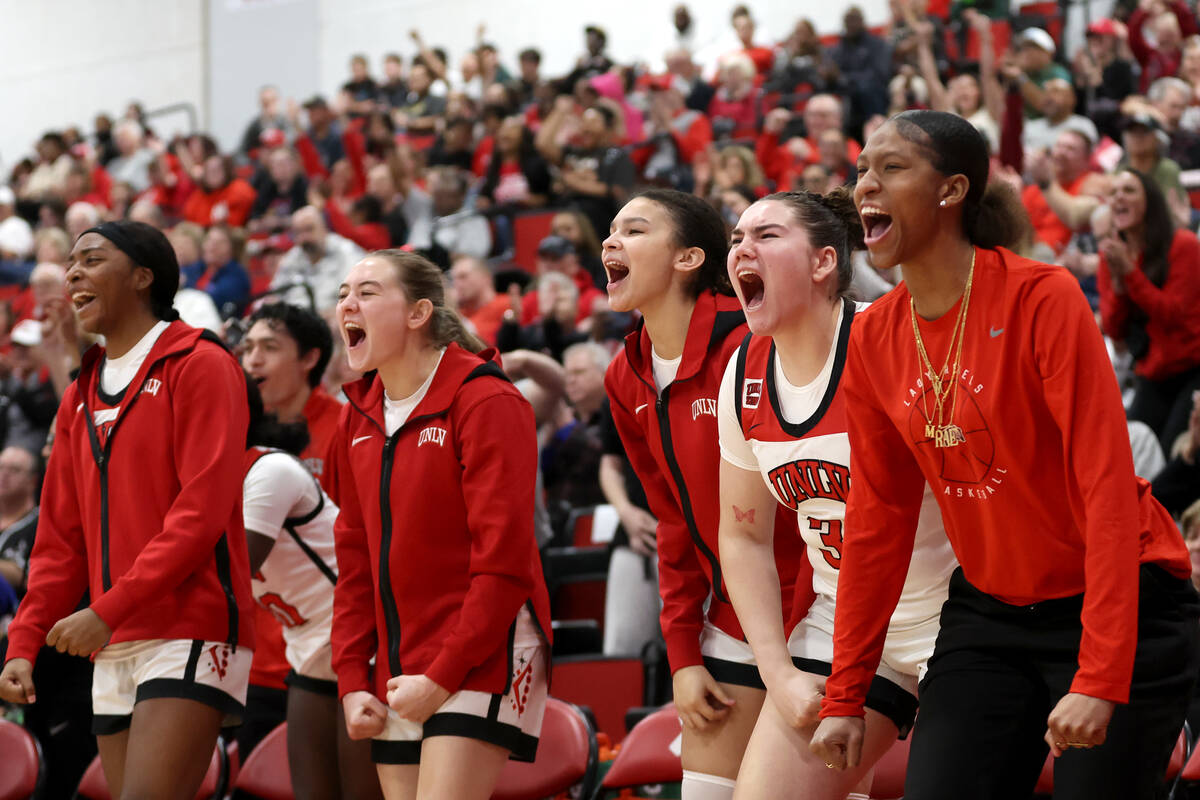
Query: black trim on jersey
[225, 578]
[488, 369]
[739, 377]
[109, 399]
[734, 673]
[387, 595]
[508, 649]
[292, 523]
[309, 684]
[797, 430]
[885, 696]
[200, 692]
[494, 707]
[685, 500]
[521, 746]
[189, 672]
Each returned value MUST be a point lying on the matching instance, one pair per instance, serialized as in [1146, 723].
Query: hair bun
[841, 202]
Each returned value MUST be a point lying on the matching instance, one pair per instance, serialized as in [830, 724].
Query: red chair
[580, 597]
[646, 757]
[567, 755]
[1045, 784]
[580, 526]
[528, 231]
[608, 685]
[94, 786]
[266, 773]
[888, 782]
[22, 772]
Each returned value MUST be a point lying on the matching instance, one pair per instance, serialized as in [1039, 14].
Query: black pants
[998, 670]
[1165, 405]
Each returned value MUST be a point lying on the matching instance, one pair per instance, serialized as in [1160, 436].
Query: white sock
[699, 786]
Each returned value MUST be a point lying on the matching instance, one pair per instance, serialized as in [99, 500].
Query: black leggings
[998, 670]
[1165, 405]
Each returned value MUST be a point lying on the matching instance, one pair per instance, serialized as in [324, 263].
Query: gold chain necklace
[943, 431]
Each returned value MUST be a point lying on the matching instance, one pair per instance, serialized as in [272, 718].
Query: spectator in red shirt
[221, 196]
[1061, 199]
[476, 297]
[1171, 21]
[734, 108]
[1149, 282]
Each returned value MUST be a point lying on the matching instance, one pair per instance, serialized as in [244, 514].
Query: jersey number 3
[831, 538]
[285, 612]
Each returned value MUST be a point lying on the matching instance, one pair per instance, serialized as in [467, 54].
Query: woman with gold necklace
[1070, 625]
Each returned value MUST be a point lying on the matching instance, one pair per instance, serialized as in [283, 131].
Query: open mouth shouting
[876, 224]
[81, 300]
[751, 288]
[354, 334]
[617, 272]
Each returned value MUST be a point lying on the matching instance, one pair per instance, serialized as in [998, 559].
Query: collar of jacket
[713, 318]
[456, 368]
[178, 337]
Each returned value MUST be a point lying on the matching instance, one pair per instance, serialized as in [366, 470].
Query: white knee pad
[858, 796]
[699, 786]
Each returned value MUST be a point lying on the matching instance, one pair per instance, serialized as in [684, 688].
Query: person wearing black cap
[140, 507]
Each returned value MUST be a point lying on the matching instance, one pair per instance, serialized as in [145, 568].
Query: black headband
[139, 254]
[142, 254]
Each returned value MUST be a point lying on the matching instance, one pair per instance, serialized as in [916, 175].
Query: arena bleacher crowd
[508, 178]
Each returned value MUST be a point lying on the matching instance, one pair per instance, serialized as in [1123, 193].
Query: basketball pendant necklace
[943, 431]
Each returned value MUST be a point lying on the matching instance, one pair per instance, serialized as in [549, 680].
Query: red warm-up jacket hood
[142, 507]
[435, 543]
[671, 441]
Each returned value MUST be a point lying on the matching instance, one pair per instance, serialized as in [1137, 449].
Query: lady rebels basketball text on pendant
[942, 430]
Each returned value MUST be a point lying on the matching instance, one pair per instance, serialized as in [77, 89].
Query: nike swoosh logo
[358, 439]
[638, 410]
[995, 332]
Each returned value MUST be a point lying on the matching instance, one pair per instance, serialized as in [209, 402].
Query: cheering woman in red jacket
[439, 578]
[142, 508]
[1071, 624]
[665, 257]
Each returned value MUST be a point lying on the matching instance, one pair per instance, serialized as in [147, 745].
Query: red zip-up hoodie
[435, 545]
[671, 441]
[145, 508]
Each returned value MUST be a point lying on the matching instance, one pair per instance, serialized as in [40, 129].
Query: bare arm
[259, 546]
[746, 537]
[938, 99]
[989, 80]
[12, 572]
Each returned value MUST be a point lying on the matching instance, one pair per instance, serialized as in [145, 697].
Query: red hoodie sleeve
[1114, 307]
[310, 158]
[58, 567]
[497, 441]
[1177, 300]
[354, 144]
[1082, 395]
[369, 236]
[208, 386]
[354, 636]
[1137, 42]
[881, 525]
[682, 584]
[239, 199]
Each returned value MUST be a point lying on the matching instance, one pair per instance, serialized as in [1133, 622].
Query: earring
[942, 204]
